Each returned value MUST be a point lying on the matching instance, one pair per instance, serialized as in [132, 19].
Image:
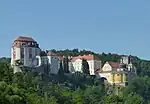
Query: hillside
[77, 88]
[143, 66]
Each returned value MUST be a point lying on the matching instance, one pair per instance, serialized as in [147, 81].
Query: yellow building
[115, 74]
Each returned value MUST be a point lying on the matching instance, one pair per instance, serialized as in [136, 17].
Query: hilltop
[78, 88]
[143, 66]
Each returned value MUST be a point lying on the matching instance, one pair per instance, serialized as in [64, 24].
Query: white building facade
[25, 49]
[51, 63]
[76, 64]
[27, 52]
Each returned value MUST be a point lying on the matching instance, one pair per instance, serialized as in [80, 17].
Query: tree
[85, 67]
[94, 94]
[61, 70]
[66, 65]
[112, 99]
[134, 99]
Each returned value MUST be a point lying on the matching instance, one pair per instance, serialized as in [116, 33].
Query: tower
[25, 50]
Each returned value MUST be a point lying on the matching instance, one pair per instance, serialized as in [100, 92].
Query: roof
[61, 58]
[22, 38]
[114, 65]
[98, 70]
[86, 57]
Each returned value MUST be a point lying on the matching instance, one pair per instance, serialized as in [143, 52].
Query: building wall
[97, 64]
[71, 68]
[108, 76]
[77, 66]
[116, 78]
[15, 55]
[52, 63]
[125, 59]
[107, 67]
[93, 65]
[25, 59]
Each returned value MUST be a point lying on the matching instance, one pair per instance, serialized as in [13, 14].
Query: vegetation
[143, 66]
[77, 88]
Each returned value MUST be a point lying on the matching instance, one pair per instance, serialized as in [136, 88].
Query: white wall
[26, 60]
[107, 67]
[94, 65]
[91, 67]
[77, 66]
[52, 61]
[15, 50]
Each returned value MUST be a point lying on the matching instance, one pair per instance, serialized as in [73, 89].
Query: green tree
[112, 99]
[85, 67]
[134, 99]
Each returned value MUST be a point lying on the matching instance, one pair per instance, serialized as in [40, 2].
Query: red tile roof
[114, 65]
[86, 57]
[21, 38]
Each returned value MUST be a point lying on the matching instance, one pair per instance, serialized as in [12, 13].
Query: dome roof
[21, 38]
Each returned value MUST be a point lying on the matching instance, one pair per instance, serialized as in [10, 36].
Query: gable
[106, 67]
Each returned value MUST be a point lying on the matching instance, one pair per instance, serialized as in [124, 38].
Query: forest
[78, 88]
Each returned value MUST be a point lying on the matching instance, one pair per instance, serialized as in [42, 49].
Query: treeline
[143, 66]
[78, 88]
[75, 52]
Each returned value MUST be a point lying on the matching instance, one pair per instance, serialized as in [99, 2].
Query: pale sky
[115, 26]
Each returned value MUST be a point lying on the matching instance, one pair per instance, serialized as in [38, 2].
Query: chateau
[26, 52]
[118, 73]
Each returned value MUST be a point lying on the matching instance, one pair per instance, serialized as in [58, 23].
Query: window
[29, 43]
[30, 53]
[23, 44]
[22, 52]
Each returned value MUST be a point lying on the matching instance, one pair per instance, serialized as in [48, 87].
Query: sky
[115, 26]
